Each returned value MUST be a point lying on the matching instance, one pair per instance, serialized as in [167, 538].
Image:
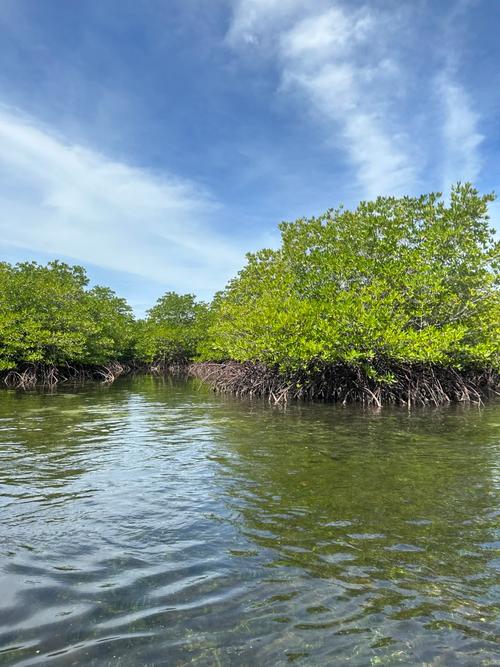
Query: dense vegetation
[396, 300]
[52, 326]
[173, 330]
[410, 279]
[49, 317]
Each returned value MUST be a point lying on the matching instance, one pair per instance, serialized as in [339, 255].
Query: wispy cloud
[460, 133]
[250, 16]
[347, 65]
[335, 59]
[69, 200]
[460, 121]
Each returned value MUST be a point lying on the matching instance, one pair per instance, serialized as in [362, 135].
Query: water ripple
[153, 521]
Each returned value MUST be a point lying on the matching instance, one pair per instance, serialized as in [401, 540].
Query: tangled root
[409, 384]
[33, 375]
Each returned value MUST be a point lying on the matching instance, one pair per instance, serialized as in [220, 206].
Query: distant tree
[48, 316]
[172, 330]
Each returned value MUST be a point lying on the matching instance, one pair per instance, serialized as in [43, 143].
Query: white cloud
[382, 166]
[68, 200]
[332, 33]
[249, 15]
[460, 132]
[339, 61]
[460, 136]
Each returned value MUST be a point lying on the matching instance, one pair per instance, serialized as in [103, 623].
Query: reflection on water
[153, 523]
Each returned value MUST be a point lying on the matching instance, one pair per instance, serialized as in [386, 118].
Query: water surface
[153, 523]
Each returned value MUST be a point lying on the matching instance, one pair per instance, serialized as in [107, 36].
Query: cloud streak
[333, 58]
[69, 200]
[346, 66]
[460, 122]
[460, 133]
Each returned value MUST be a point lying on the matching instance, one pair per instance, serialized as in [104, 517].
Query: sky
[156, 142]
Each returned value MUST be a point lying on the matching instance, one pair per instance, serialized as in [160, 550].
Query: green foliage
[172, 330]
[48, 316]
[409, 279]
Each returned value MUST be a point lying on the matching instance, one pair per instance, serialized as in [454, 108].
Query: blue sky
[157, 141]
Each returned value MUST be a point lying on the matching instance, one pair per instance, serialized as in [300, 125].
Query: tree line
[49, 316]
[411, 280]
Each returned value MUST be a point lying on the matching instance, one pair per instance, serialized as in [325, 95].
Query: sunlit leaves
[173, 329]
[412, 279]
[48, 316]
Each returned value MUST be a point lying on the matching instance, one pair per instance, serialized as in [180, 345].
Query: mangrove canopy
[395, 300]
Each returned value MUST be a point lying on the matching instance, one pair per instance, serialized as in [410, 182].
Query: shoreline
[30, 376]
[410, 384]
[392, 383]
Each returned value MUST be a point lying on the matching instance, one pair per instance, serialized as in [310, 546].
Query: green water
[152, 523]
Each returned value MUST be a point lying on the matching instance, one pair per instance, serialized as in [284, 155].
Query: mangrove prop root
[33, 375]
[410, 384]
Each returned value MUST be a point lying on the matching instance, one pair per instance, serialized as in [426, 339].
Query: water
[152, 523]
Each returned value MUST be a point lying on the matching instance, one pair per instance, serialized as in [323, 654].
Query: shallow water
[153, 523]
